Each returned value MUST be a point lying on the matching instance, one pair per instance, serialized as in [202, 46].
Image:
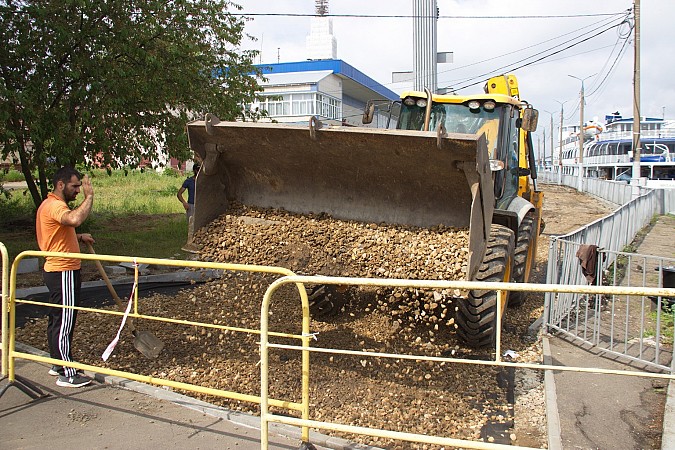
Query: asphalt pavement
[597, 411]
[115, 413]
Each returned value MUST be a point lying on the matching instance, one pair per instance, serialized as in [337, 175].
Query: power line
[481, 77]
[410, 16]
[600, 25]
[491, 59]
[619, 56]
[577, 54]
[604, 82]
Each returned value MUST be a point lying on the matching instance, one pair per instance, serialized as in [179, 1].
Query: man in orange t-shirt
[55, 228]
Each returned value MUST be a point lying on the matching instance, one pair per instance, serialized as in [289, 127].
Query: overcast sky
[380, 46]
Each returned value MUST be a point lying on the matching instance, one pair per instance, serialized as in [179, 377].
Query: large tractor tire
[477, 315]
[523, 258]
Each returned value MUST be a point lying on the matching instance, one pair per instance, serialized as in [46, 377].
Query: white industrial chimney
[425, 15]
[321, 44]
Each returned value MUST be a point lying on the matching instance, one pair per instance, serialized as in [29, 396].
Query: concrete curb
[668, 435]
[236, 417]
[552, 416]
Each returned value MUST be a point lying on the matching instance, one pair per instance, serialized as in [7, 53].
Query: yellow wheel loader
[459, 161]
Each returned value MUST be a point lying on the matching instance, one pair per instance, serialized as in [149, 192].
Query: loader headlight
[474, 104]
[409, 101]
[489, 105]
[421, 102]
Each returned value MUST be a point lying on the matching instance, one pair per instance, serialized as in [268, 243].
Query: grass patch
[11, 175]
[135, 214]
[135, 192]
[667, 324]
[617, 270]
[155, 236]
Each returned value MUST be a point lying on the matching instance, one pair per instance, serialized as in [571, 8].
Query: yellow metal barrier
[9, 304]
[5, 310]
[304, 337]
[266, 417]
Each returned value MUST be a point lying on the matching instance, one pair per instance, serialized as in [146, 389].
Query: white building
[323, 86]
[330, 89]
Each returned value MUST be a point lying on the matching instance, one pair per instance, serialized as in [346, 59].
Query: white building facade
[329, 89]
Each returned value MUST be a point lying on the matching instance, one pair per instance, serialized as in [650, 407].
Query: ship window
[649, 149]
[624, 148]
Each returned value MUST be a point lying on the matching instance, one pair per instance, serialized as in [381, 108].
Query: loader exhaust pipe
[427, 112]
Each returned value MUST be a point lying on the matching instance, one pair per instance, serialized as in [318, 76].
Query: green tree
[114, 82]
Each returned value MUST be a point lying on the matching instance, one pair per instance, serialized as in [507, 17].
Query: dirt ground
[462, 401]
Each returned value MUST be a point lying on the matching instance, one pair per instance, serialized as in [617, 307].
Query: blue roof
[338, 67]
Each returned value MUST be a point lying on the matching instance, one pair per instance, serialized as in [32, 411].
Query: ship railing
[644, 134]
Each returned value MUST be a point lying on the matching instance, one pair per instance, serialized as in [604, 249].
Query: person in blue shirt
[189, 185]
[189, 205]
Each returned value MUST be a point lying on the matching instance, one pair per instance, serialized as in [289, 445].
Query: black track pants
[64, 289]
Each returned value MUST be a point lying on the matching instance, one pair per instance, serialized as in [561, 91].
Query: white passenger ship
[608, 152]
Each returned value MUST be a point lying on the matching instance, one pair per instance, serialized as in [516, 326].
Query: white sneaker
[75, 381]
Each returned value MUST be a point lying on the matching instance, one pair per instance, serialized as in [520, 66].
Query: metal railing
[635, 327]
[615, 192]
[580, 317]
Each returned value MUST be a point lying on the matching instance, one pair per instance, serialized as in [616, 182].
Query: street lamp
[581, 128]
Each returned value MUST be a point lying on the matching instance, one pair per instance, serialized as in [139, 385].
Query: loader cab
[496, 116]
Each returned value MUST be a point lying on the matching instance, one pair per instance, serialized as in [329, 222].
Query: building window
[328, 107]
[302, 104]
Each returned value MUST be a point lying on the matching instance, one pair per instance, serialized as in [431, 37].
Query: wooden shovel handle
[104, 275]
[118, 301]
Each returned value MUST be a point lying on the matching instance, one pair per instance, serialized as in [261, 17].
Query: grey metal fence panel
[587, 319]
[638, 328]
[619, 326]
[669, 201]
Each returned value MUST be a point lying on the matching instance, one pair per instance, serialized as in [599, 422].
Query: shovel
[144, 341]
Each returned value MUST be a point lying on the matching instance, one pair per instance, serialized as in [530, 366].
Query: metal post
[636, 100]
[544, 147]
[551, 133]
[581, 131]
[551, 141]
[560, 164]
[5, 303]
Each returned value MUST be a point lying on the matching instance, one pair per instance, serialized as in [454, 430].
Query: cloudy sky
[493, 40]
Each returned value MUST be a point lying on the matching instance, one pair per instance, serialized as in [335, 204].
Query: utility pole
[581, 130]
[544, 141]
[636, 98]
[551, 133]
[552, 130]
[560, 167]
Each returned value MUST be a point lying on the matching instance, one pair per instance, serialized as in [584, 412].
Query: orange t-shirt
[52, 236]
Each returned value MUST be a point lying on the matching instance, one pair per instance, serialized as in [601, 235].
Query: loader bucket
[362, 174]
